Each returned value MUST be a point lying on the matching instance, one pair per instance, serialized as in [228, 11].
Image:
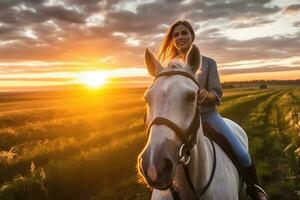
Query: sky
[56, 42]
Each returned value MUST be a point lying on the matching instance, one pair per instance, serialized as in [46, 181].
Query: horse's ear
[154, 67]
[193, 58]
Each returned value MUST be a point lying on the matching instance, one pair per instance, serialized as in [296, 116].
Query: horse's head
[172, 97]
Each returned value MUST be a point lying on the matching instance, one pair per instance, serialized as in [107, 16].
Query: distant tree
[227, 85]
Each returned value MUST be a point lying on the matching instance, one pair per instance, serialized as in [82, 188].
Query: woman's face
[182, 37]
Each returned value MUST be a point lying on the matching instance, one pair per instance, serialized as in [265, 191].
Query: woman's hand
[204, 95]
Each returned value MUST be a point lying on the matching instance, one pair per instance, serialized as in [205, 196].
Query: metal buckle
[184, 157]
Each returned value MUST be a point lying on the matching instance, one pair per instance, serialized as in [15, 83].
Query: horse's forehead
[174, 83]
[176, 64]
[171, 84]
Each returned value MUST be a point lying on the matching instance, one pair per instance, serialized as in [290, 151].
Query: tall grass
[87, 146]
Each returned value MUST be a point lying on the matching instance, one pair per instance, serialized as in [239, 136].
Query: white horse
[174, 98]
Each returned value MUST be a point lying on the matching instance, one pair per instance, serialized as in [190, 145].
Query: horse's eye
[190, 96]
[146, 97]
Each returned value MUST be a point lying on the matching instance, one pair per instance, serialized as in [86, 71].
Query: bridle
[187, 137]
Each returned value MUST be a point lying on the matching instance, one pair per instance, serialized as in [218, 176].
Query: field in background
[67, 145]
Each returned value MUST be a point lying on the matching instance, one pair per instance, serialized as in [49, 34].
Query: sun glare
[94, 79]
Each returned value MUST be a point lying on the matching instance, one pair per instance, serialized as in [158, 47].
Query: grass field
[83, 145]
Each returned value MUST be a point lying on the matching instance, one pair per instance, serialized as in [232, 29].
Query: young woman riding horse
[174, 48]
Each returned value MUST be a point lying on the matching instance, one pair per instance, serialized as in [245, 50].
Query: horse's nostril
[166, 167]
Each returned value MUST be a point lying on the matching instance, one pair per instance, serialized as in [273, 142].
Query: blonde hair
[167, 49]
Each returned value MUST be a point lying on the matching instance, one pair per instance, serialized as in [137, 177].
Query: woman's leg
[215, 119]
[253, 187]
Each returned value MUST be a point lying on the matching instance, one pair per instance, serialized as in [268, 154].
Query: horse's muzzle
[158, 176]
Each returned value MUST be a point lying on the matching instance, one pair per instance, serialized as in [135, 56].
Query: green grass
[87, 143]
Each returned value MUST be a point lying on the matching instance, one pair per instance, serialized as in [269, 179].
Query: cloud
[245, 22]
[228, 50]
[258, 70]
[43, 31]
[292, 9]
[297, 24]
[63, 14]
[231, 9]
[37, 79]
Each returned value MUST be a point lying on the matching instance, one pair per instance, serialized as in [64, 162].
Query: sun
[94, 79]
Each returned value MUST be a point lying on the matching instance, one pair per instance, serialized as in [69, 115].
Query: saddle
[213, 134]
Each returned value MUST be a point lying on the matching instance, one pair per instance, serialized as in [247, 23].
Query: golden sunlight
[94, 79]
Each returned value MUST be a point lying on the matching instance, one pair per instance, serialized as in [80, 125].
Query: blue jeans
[216, 120]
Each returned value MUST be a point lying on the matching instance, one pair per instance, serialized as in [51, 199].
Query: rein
[187, 137]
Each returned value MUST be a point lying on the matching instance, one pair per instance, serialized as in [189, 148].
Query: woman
[175, 45]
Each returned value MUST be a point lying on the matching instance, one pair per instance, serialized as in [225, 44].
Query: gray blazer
[208, 78]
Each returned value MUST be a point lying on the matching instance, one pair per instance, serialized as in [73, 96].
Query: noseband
[188, 137]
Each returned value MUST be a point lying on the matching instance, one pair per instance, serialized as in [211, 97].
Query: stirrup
[257, 188]
[261, 190]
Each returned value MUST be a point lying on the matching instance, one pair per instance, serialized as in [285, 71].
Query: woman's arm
[214, 87]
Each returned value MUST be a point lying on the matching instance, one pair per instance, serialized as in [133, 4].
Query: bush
[25, 188]
[263, 86]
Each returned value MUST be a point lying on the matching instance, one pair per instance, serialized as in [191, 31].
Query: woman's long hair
[167, 48]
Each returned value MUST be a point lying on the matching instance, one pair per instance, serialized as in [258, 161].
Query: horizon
[51, 43]
[144, 85]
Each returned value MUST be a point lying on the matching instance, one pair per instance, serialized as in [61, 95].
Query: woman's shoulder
[208, 60]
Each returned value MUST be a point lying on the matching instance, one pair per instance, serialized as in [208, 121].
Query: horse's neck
[199, 165]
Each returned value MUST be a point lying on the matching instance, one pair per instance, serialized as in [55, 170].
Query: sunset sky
[53, 42]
